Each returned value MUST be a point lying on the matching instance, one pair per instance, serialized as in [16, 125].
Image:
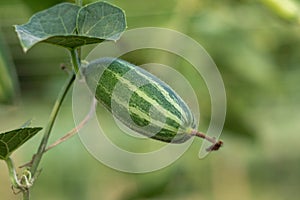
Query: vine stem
[38, 156]
[41, 150]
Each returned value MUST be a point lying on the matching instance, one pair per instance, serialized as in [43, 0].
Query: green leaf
[11, 140]
[71, 26]
[59, 20]
[101, 20]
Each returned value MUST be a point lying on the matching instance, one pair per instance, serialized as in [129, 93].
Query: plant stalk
[38, 156]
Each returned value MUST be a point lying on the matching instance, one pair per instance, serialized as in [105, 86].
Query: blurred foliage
[36, 5]
[255, 45]
[8, 81]
[287, 9]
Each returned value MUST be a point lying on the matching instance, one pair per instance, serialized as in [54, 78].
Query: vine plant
[72, 26]
[69, 26]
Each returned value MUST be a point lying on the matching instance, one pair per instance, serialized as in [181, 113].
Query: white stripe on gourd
[147, 97]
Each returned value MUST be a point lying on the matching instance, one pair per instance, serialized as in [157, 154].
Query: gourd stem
[215, 144]
[38, 156]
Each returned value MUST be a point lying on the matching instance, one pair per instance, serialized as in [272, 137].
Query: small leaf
[11, 140]
[71, 26]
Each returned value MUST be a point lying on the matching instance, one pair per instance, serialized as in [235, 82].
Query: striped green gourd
[141, 101]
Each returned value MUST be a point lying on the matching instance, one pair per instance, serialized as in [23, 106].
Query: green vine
[38, 156]
[75, 19]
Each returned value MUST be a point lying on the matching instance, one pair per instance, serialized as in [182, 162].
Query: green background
[255, 45]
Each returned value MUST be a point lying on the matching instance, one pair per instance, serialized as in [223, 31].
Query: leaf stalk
[12, 173]
[75, 60]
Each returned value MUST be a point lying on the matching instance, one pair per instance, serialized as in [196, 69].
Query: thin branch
[71, 133]
[76, 129]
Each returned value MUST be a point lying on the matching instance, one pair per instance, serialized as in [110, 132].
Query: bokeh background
[255, 44]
